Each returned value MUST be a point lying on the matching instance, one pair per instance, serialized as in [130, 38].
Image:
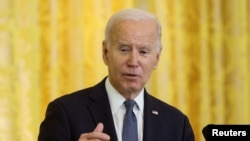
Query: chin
[133, 89]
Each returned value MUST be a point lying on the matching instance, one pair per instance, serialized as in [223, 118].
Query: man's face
[132, 55]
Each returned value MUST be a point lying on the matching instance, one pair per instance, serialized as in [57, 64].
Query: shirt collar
[116, 99]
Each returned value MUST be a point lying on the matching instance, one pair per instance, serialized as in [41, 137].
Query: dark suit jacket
[71, 115]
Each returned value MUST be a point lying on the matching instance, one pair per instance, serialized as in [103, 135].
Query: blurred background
[49, 48]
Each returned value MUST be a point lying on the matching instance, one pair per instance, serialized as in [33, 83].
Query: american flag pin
[155, 112]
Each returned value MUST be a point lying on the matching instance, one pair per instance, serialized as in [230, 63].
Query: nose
[133, 59]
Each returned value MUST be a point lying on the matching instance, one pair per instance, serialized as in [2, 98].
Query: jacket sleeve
[188, 131]
[55, 126]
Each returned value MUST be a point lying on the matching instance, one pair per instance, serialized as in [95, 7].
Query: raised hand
[96, 135]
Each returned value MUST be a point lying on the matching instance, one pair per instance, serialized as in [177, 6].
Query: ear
[104, 52]
[157, 58]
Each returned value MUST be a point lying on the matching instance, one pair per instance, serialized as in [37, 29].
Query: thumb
[99, 127]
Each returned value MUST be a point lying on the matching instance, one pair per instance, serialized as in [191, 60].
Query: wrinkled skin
[132, 55]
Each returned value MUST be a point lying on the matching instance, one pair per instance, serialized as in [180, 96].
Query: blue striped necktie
[129, 132]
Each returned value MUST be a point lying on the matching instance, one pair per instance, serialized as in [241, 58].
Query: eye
[144, 51]
[124, 49]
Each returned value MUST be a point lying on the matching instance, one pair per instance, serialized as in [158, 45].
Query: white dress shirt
[118, 109]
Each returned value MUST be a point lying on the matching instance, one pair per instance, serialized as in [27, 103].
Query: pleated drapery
[49, 48]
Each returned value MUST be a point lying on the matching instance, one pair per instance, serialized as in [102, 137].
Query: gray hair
[132, 14]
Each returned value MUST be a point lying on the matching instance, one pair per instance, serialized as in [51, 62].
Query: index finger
[99, 127]
[96, 134]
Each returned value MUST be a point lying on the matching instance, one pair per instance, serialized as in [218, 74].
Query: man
[131, 51]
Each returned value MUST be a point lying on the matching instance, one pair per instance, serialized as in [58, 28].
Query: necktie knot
[129, 104]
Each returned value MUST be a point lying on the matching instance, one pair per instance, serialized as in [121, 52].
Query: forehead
[143, 30]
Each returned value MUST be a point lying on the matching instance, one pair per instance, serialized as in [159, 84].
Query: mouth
[130, 75]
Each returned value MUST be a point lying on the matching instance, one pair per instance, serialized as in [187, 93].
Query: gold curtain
[52, 47]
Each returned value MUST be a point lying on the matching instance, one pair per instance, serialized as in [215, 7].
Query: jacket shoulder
[165, 107]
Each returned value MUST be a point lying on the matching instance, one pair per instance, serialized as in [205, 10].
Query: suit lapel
[101, 111]
[151, 119]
